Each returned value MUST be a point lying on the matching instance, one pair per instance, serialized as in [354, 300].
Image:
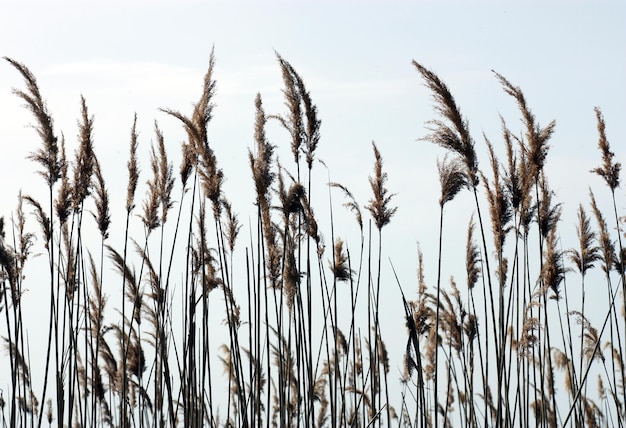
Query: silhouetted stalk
[438, 303]
[593, 354]
[610, 172]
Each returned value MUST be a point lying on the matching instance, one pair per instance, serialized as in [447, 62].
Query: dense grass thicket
[198, 320]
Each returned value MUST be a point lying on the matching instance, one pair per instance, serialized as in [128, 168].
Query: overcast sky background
[355, 57]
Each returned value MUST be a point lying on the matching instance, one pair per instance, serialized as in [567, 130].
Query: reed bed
[199, 320]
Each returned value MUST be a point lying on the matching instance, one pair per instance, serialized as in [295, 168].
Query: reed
[177, 318]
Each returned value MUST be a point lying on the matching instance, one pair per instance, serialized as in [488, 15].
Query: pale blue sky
[355, 58]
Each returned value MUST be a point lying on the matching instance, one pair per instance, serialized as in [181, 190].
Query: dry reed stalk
[381, 212]
[535, 151]
[48, 157]
[610, 171]
[263, 177]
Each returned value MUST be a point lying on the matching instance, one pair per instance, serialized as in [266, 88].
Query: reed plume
[189, 161]
[102, 214]
[211, 176]
[232, 225]
[263, 177]
[472, 256]
[499, 203]
[451, 178]
[84, 161]
[313, 123]
[379, 205]
[133, 168]
[150, 216]
[42, 220]
[610, 170]
[339, 266]
[536, 136]
[48, 155]
[548, 214]
[452, 133]
[607, 248]
[553, 272]
[293, 101]
[63, 202]
[165, 180]
[587, 254]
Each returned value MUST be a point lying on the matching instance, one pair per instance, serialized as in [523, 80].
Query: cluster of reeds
[197, 328]
[516, 345]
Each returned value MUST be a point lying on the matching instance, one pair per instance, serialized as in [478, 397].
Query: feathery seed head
[451, 133]
[553, 272]
[232, 224]
[452, 179]
[48, 155]
[42, 219]
[102, 215]
[470, 327]
[609, 170]
[165, 176]
[536, 137]
[607, 248]
[63, 203]
[261, 163]
[84, 162]
[133, 168]
[472, 256]
[499, 202]
[340, 266]
[188, 163]
[588, 252]
[293, 100]
[379, 205]
[548, 214]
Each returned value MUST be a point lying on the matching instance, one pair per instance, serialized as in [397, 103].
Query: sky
[355, 58]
